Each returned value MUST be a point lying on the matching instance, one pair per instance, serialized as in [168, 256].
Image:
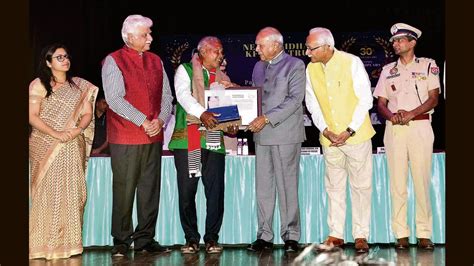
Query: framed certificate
[247, 99]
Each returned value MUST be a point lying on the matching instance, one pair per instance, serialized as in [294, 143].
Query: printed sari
[58, 183]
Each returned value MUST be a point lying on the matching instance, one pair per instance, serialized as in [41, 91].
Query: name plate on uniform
[380, 150]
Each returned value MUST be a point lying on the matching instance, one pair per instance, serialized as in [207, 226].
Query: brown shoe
[329, 243]
[337, 242]
[361, 245]
[402, 243]
[425, 243]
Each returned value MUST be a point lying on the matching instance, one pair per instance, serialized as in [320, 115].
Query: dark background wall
[91, 28]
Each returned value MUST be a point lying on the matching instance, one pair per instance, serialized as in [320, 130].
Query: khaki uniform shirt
[406, 86]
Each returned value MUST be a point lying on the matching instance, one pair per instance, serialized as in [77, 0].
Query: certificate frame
[248, 99]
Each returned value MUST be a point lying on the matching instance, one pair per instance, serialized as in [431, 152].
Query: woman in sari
[60, 113]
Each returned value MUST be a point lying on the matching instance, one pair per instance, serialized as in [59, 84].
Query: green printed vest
[179, 139]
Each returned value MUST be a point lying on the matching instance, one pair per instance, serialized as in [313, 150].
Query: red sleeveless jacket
[143, 78]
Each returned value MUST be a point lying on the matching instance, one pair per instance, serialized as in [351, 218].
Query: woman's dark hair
[44, 72]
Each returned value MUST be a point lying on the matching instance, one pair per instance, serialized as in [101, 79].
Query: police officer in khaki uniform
[407, 92]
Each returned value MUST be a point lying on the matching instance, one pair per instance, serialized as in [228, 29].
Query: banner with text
[373, 48]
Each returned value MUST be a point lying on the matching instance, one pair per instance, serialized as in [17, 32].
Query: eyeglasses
[61, 57]
[312, 49]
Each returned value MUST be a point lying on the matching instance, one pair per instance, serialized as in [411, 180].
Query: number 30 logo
[366, 51]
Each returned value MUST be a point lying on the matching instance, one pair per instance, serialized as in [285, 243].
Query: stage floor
[238, 255]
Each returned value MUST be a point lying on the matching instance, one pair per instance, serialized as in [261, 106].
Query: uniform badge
[393, 71]
[418, 76]
[435, 70]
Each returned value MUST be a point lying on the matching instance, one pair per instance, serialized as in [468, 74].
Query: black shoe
[119, 250]
[291, 246]
[259, 245]
[154, 247]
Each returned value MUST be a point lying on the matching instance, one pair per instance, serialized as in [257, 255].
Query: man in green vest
[199, 153]
[338, 96]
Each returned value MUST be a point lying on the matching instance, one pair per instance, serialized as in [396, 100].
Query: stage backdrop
[372, 47]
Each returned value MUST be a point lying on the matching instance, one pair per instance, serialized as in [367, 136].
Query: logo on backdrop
[375, 51]
[373, 48]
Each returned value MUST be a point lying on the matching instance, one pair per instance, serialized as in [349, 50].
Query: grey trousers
[277, 169]
[136, 170]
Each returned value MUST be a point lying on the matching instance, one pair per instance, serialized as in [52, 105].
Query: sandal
[212, 247]
[190, 248]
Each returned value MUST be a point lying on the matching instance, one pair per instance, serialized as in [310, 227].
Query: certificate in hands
[247, 99]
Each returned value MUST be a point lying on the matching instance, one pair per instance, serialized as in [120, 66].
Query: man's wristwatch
[266, 119]
[351, 131]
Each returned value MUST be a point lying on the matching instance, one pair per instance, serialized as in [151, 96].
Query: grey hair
[132, 22]
[273, 35]
[325, 35]
[207, 41]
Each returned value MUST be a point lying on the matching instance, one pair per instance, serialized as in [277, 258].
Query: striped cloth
[213, 140]
[194, 163]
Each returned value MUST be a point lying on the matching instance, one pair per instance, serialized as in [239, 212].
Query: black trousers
[135, 168]
[213, 170]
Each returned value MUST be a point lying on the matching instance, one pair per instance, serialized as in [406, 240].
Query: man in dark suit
[278, 135]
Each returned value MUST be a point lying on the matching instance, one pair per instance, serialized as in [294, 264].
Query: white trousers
[355, 161]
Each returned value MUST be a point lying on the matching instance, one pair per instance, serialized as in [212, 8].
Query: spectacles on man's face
[312, 49]
[61, 57]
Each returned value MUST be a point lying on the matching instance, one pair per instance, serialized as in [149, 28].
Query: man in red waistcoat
[138, 92]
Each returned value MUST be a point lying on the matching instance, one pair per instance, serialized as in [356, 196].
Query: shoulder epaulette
[390, 65]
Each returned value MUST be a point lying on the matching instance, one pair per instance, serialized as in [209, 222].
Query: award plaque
[247, 99]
